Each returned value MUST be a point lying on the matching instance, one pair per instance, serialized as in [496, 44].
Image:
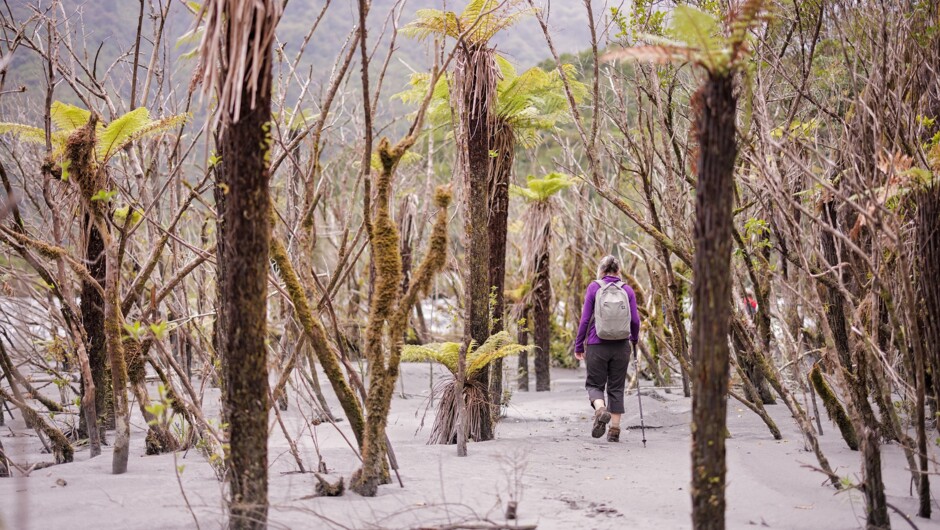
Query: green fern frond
[429, 22]
[24, 132]
[496, 347]
[445, 353]
[541, 190]
[486, 17]
[67, 117]
[119, 131]
[131, 127]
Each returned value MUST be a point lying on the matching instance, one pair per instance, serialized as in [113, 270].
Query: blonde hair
[607, 265]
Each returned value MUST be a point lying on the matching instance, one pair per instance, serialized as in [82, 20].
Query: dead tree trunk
[112, 330]
[854, 369]
[711, 298]
[928, 288]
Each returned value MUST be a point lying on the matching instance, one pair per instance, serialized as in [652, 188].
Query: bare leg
[615, 420]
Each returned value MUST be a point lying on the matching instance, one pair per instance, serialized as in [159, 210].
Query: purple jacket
[586, 329]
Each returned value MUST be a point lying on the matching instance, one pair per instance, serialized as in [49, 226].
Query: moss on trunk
[833, 407]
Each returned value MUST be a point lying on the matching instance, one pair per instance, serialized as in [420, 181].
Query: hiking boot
[601, 417]
[613, 435]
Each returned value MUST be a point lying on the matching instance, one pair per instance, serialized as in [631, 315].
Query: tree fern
[110, 139]
[541, 190]
[496, 347]
[486, 17]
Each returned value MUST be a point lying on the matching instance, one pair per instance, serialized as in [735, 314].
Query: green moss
[833, 408]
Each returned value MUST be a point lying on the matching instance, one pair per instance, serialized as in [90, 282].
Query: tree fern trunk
[92, 306]
[476, 89]
[500, 176]
[711, 299]
[523, 339]
[541, 315]
[245, 145]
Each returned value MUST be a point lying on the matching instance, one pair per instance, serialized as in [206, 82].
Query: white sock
[598, 403]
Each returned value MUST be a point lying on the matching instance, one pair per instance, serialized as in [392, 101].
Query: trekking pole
[639, 399]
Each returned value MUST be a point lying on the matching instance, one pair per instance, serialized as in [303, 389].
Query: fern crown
[110, 139]
[447, 353]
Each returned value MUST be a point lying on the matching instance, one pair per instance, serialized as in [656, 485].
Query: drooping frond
[118, 131]
[238, 35]
[429, 22]
[535, 101]
[67, 117]
[36, 135]
[24, 132]
[654, 53]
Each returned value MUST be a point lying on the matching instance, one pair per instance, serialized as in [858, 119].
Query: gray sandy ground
[543, 457]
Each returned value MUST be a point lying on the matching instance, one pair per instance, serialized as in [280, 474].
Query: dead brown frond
[659, 54]
[237, 35]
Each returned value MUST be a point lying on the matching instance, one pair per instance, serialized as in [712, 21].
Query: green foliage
[103, 195]
[67, 117]
[121, 217]
[531, 102]
[541, 190]
[485, 17]
[797, 129]
[643, 19]
[446, 353]
[110, 139]
[696, 35]
[159, 329]
[131, 127]
[135, 330]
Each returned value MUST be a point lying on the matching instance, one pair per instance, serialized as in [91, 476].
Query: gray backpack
[612, 311]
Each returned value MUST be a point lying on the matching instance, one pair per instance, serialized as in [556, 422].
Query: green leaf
[24, 132]
[541, 190]
[698, 30]
[120, 216]
[134, 330]
[119, 131]
[67, 117]
[131, 127]
[159, 329]
[103, 195]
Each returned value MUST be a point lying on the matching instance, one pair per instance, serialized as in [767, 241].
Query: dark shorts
[607, 365]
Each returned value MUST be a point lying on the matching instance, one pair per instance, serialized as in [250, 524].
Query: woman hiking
[608, 320]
